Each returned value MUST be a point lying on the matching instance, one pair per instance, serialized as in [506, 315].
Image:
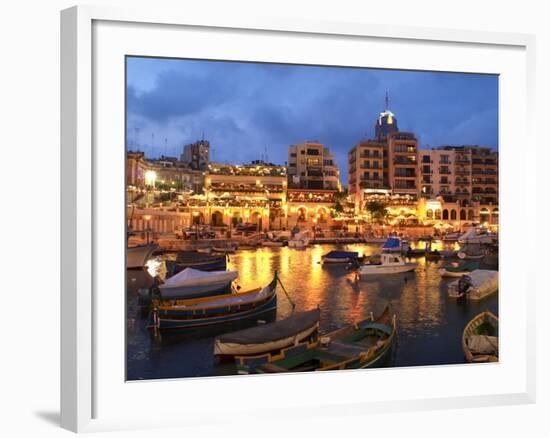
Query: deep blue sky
[244, 108]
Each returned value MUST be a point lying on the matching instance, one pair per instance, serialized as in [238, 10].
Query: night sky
[244, 109]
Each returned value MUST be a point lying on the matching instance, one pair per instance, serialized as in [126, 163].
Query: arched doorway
[322, 215]
[494, 216]
[445, 215]
[302, 214]
[437, 214]
[256, 219]
[462, 214]
[453, 215]
[217, 219]
[484, 215]
[429, 213]
[470, 215]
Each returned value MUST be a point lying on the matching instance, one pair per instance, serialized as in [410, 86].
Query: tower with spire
[386, 122]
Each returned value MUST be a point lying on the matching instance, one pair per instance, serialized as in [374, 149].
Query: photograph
[288, 218]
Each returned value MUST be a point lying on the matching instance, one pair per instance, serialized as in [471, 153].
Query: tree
[377, 211]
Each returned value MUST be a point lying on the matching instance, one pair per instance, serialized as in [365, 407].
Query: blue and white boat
[394, 244]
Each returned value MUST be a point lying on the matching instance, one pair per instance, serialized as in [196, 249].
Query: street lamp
[147, 218]
[196, 221]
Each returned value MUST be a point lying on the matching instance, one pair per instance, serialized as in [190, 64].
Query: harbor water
[429, 323]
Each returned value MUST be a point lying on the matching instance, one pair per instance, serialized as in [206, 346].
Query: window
[313, 151]
[425, 159]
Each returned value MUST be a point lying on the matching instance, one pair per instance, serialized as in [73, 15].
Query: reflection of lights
[147, 217]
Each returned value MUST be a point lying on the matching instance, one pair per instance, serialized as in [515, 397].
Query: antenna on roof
[165, 145]
[387, 100]
[152, 142]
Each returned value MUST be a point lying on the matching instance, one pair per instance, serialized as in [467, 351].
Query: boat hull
[470, 329]
[226, 350]
[177, 323]
[195, 291]
[384, 270]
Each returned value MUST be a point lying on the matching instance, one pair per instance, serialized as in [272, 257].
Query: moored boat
[137, 256]
[476, 285]
[394, 244]
[457, 269]
[340, 257]
[300, 240]
[363, 345]
[389, 264]
[195, 260]
[480, 338]
[197, 312]
[268, 338]
[193, 283]
[477, 235]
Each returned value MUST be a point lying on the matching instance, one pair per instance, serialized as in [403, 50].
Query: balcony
[462, 161]
[427, 172]
[444, 171]
[401, 162]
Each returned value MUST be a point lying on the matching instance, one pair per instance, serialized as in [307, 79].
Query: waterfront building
[171, 174]
[249, 193]
[136, 167]
[312, 166]
[460, 173]
[366, 170]
[403, 163]
[196, 155]
[308, 208]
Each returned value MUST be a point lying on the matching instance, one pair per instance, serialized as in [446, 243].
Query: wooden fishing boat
[456, 269]
[168, 314]
[193, 283]
[137, 256]
[268, 338]
[480, 338]
[389, 264]
[363, 345]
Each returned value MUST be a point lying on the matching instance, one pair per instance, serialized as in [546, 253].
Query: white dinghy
[389, 264]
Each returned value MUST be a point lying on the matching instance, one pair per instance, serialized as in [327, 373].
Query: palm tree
[377, 211]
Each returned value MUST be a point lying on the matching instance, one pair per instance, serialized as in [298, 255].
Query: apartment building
[403, 163]
[312, 166]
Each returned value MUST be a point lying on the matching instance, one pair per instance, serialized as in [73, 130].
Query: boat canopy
[193, 274]
[274, 331]
[392, 242]
[342, 254]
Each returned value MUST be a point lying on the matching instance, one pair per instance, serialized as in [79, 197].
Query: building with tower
[196, 155]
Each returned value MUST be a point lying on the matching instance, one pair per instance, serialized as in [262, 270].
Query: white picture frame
[85, 175]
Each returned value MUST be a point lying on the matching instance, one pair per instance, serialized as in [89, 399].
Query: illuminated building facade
[251, 193]
[311, 166]
[196, 155]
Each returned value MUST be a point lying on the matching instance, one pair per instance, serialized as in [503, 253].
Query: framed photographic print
[266, 207]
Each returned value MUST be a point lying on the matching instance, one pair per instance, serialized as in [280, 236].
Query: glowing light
[150, 177]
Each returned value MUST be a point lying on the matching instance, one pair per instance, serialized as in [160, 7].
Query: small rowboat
[268, 338]
[480, 338]
[363, 345]
[340, 257]
[197, 312]
[456, 269]
[192, 283]
[137, 256]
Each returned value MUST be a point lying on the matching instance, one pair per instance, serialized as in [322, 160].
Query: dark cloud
[245, 109]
